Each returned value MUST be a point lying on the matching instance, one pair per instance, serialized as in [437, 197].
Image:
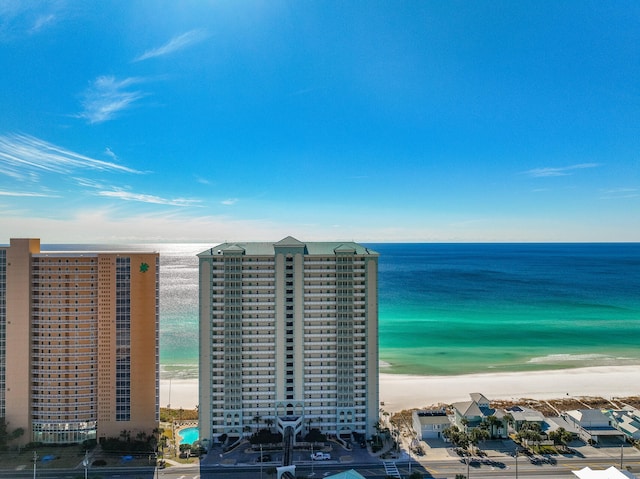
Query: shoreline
[401, 391]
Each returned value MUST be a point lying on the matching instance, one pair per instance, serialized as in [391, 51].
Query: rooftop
[268, 249]
[611, 473]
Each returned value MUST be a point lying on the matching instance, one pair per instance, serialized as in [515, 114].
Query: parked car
[320, 456]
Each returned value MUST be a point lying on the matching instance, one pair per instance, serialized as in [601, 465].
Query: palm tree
[494, 424]
[16, 433]
[530, 432]
[269, 423]
[164, 440]
[508, 418]
[478, 434]
[257, 420]
[155, 435]
[561, 436]
[565, 436]
[457, 437]
[465, 422]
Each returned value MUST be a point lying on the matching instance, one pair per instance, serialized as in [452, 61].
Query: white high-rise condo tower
[288, 337]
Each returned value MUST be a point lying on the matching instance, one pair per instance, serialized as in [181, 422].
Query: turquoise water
[188, 435]
[449, 309]
[454, 309]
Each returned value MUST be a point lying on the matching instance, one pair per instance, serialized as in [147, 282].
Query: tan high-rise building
[288, 338]
[78, 342]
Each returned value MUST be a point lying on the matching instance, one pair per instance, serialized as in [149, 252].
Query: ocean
[451, 309]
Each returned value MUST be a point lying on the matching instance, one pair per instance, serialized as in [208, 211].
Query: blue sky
[327, 120]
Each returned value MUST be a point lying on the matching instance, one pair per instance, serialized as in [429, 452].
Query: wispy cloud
[41, 22]
[229, 201]
[561, 171]
[176, 43]
[620, 193]
[107, 96]
[20, 18]
[26, 194]
[24, 158]
[111, 154]
[142, 198]
[89, 183]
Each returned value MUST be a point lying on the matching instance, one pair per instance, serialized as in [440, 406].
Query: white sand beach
[179, 393]
[406, 392]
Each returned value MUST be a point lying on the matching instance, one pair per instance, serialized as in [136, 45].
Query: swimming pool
[188, 435]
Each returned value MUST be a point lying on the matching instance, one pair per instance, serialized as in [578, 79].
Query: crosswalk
[391, 469]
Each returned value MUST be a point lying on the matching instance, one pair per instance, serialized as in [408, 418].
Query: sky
[371, 121]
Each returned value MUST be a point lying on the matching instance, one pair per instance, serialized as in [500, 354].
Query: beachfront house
[468, 415]
[626, 421]
[594, 426]
[553, 423]
[523, 415]
[429, 424]
[480, 400]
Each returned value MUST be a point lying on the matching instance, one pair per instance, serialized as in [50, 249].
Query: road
[439, 469]
[506, 467]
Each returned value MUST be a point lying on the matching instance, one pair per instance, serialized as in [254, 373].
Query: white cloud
[229, 201]
[89, 183]
[107, 96]
[202, 181]
[142, 198]
[42, 21]
[620, 193]
[19, 18]
[176, 43]
[26, 194]
[111, 154]
[24, 157]
[561, 171]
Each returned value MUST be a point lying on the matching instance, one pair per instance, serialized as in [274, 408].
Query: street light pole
[261, 460]
[517, 464]
[85, 463]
